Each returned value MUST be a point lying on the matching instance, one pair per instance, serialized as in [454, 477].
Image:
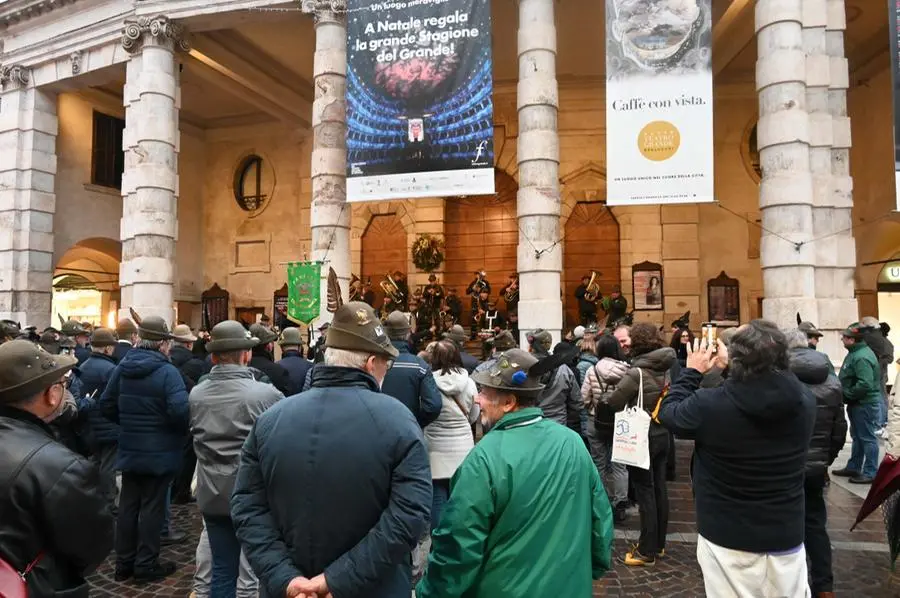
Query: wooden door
[383, 250]
[591, 243]
[481, 233]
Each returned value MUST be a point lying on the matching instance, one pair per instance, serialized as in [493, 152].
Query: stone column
[149, 227]
[786, 191]
[835, 245]
[539, 251]
[28, 128]
[329, 212]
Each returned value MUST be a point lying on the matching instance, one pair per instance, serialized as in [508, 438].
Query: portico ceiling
[259, 69]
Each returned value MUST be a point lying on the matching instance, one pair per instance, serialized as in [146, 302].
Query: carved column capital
[321, 10]
[153, 30]
[13, 76]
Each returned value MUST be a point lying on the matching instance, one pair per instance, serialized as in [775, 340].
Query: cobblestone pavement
[861, 560]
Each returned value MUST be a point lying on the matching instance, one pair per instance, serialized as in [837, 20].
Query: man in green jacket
[528, 515]
[861, 380]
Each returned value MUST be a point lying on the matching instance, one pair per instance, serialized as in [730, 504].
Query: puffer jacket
[49, 502]
[224, 408]
[830, 430]
[654, 367]
[561, 398]
[449, 437]
[599, 383]
[585, 362]
[146, 396]
[95, 374]
[360, 535]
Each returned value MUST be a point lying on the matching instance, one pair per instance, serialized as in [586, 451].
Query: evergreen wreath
[428, 253]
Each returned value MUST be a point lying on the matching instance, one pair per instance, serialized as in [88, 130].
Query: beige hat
[182, 333]
[355, 327]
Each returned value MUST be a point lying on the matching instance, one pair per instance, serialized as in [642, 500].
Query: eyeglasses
[390, 363]
[66, 383]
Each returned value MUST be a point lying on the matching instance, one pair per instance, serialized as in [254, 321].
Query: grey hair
[149, 345]
[796, 339]
[346, 359]
[756, 349]
[869, 322]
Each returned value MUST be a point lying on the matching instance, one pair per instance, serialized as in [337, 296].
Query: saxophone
[592, 292]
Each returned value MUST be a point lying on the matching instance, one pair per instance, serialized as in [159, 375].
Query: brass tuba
[480, 283]
[511, 295]
[592, 292]
[391, 289]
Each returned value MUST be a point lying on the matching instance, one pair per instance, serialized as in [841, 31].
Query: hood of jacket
[810, 366]
[453, 383]
[771, 396]
[589, 357]
[611, 370]
[140, 363]
[331, 375]
[231, 371]
[658, 360]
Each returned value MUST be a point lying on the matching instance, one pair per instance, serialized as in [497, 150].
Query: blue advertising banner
[420, 118]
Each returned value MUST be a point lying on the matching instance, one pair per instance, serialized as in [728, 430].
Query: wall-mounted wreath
[428, 253]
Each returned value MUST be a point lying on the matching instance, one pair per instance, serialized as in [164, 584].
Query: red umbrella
[886, 482]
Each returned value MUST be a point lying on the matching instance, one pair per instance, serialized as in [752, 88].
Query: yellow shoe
[636, 559]
[661, 554]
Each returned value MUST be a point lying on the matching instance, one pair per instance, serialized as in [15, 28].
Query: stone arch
[90, 264]
[361, 216]
[583, 185]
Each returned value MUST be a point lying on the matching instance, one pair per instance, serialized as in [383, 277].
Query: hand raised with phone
[703, 357]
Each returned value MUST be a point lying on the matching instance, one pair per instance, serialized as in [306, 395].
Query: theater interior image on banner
[659, 102]
[419, 108]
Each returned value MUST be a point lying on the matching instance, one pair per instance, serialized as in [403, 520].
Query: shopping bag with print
[631, 433]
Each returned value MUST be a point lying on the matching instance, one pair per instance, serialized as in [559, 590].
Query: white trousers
[735, 574]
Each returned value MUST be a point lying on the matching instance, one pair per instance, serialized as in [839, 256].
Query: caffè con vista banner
[659, 102]
[420, 117]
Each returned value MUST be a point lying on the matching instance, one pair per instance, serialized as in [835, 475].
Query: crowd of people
[389, 469]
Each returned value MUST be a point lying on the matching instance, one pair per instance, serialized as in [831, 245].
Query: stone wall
[872, 167]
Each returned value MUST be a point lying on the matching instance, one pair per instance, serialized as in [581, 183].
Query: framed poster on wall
[647, 286]
[724, 299]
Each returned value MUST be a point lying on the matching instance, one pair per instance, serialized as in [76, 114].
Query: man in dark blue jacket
[292, 357]
[104, 434]
[77, 333]
[126, 330]
[334, 487]
[146, 396]
[410, 380]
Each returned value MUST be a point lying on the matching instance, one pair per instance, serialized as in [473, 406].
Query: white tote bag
[631, 433]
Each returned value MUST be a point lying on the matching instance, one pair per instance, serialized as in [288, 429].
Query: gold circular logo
[659, 140]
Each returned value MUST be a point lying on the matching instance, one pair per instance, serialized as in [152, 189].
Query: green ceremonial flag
[303, 291]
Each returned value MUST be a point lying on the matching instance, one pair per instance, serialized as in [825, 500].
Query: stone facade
[181, 229]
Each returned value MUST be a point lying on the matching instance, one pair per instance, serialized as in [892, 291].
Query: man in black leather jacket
[263, 360]
[51, 510]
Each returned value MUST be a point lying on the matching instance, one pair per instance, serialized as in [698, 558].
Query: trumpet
[391, 289]
[592, 292]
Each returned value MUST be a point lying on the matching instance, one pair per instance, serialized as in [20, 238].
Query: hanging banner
[659, 102]
[420, 118]
[303, 291]
[894, 31]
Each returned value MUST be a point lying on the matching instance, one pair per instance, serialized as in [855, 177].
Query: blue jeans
[439, 499]
[863, 423]
[226, 556]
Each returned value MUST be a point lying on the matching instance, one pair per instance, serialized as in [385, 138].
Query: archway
[481, 232]
[383, 250]
[591, 243]
[86, 282]
[888, 287]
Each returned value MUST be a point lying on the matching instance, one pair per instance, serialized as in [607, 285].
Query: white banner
[659, 102]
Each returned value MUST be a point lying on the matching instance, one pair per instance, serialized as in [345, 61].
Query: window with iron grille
[108, 160]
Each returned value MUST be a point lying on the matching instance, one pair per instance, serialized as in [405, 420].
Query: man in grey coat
[224, 407]
[561, 398]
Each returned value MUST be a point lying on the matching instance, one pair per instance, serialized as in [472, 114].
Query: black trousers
[142, 508]
[652, 496]
[818, 544]
[181, 488]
